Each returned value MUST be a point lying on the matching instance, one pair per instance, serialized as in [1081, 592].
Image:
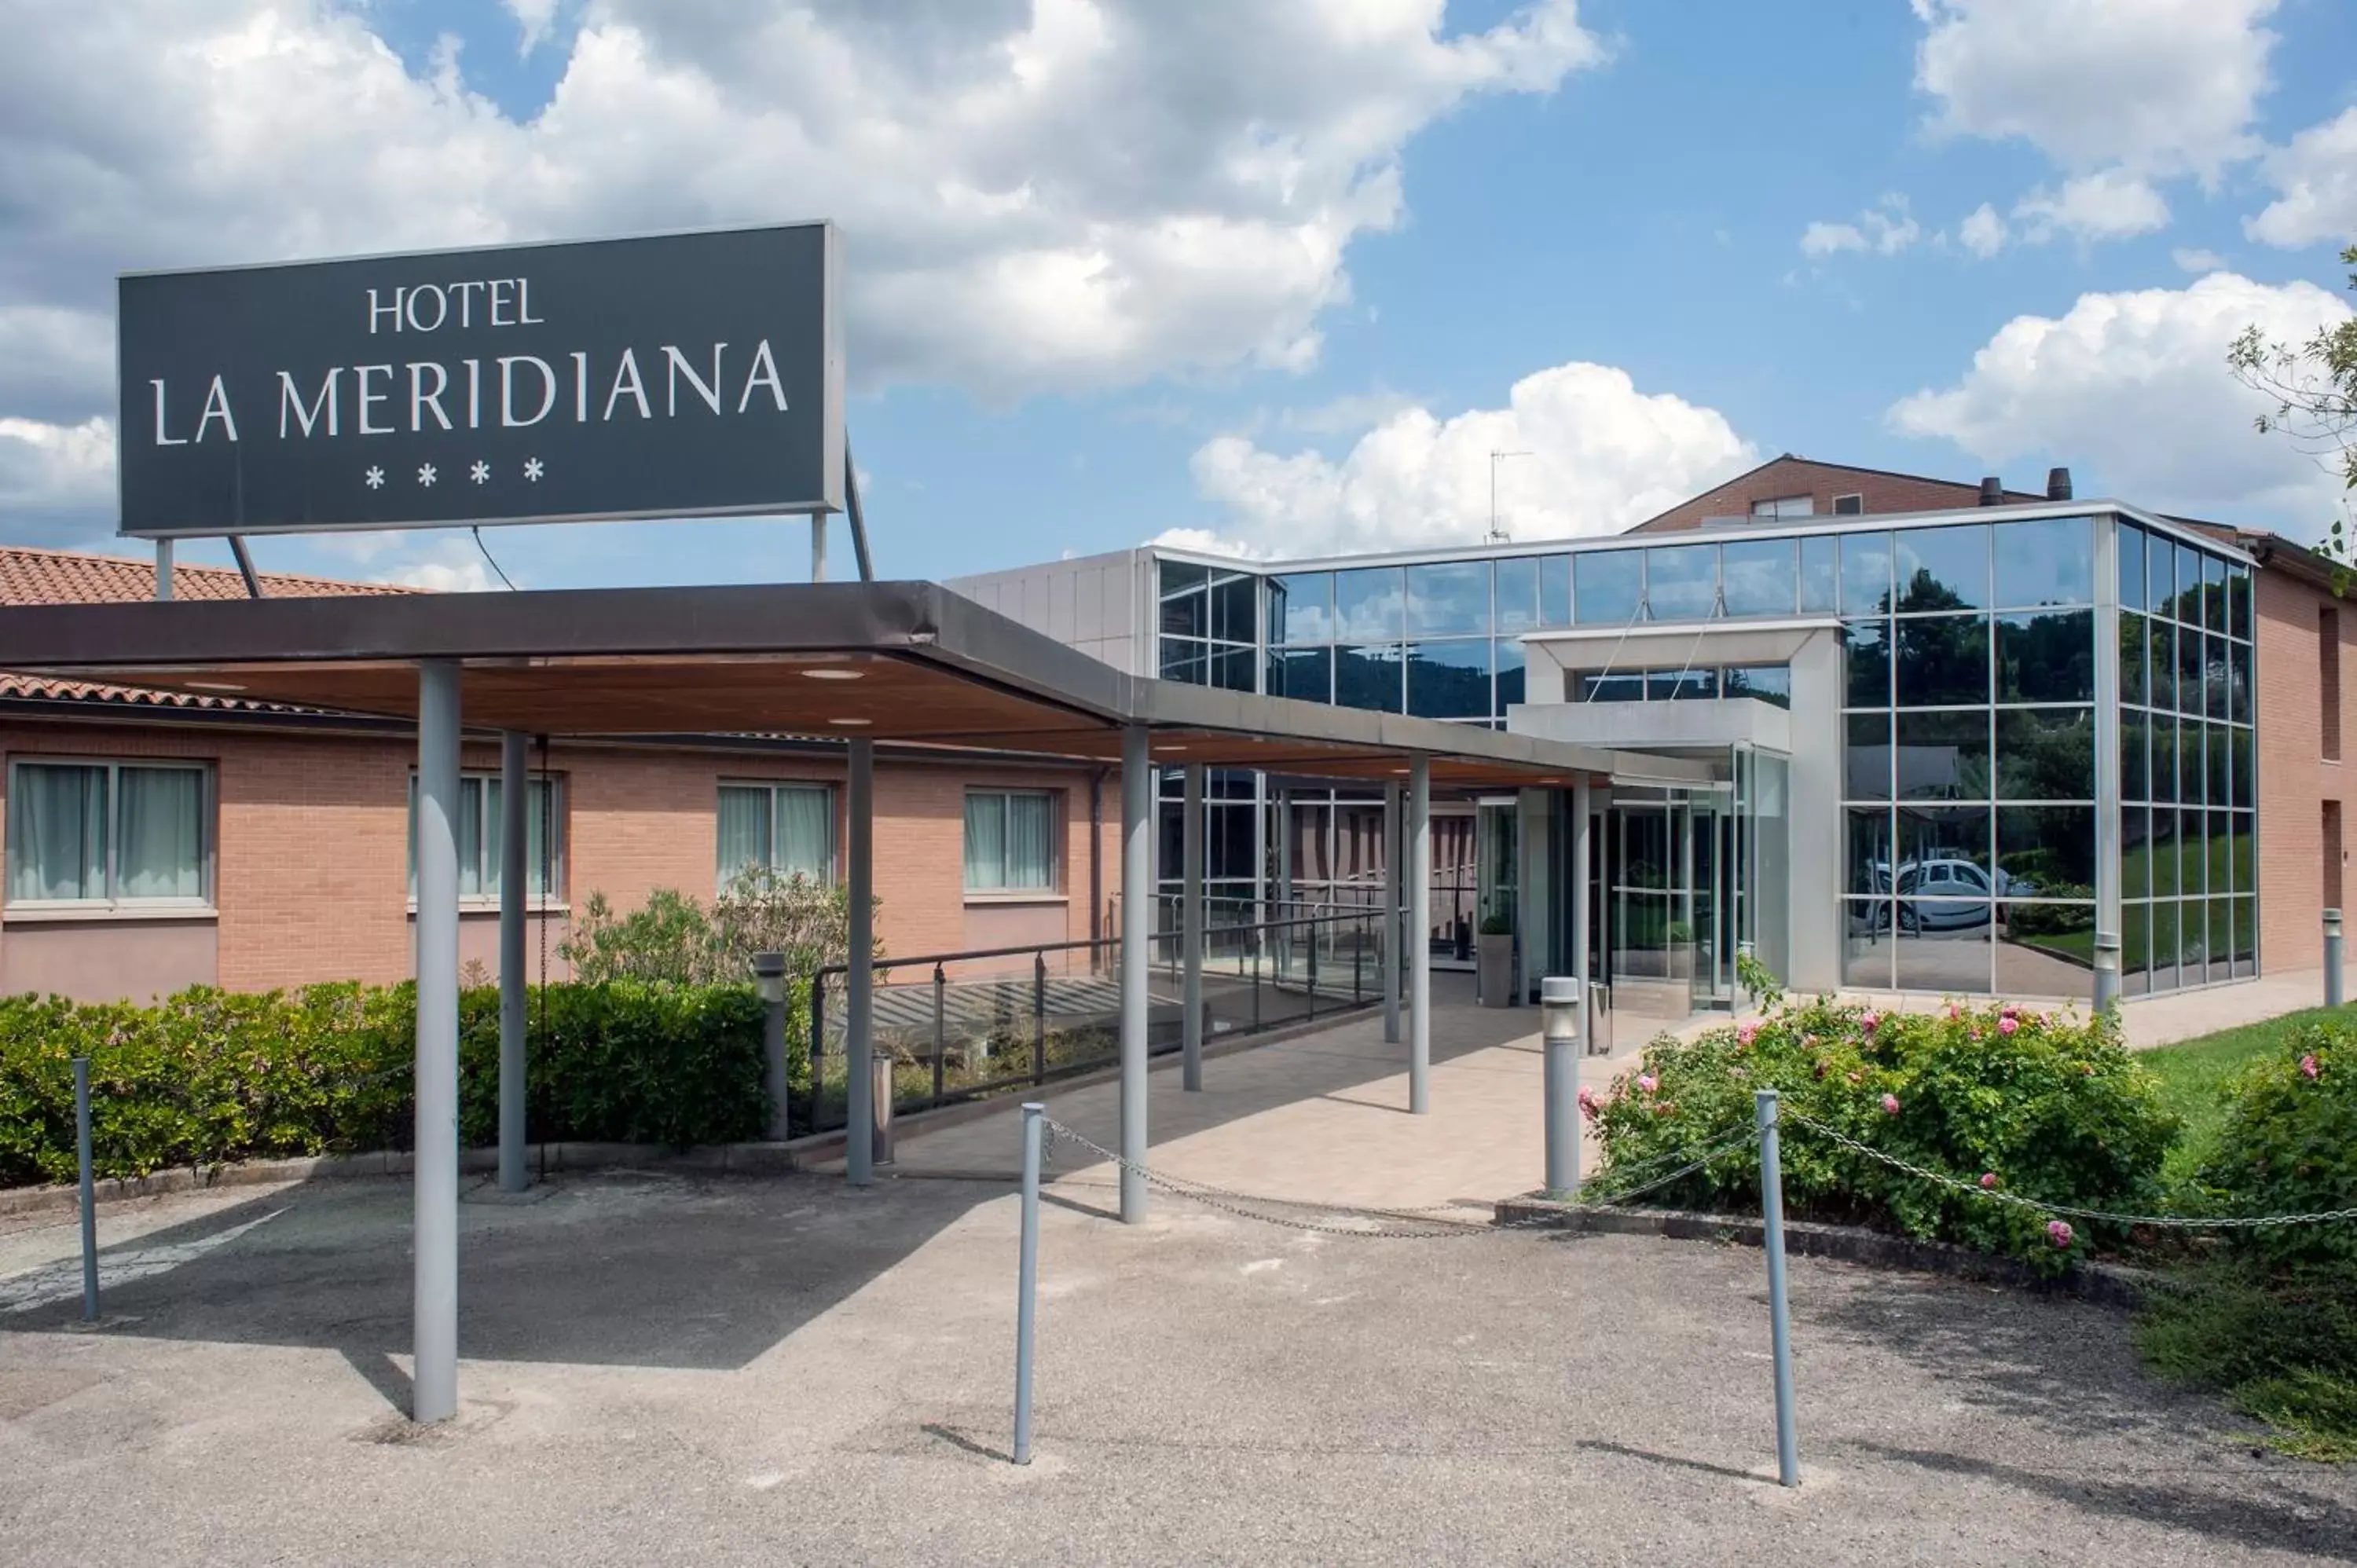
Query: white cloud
[2158, 86]
[1886, 230]
[2134, 389]
[1064, 195]
[536, 20]
[2195, 260]
[1983, 232]
[2316, 181]
[445, 576]
[2111, 204]
[56, 481]
[56, 363]
[1602, 455]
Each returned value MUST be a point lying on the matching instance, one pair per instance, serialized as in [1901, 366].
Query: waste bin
[1599, 1020]
[881, 1098]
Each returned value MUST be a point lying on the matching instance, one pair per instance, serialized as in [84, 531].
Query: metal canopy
[909, 663]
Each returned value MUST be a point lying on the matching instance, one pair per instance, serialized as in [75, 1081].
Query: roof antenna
[1497, 534]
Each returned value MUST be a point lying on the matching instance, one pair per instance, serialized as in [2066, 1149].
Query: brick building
[287, 839]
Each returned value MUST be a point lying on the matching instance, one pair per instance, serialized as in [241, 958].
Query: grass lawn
[2195, 1075]
[2280, 1348]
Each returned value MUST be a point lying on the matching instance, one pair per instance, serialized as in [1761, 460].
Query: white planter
[1495, 959]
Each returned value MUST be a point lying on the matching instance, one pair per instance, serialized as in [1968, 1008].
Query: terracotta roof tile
[31, 577]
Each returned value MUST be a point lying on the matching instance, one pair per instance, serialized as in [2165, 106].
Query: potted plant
[1495, 960]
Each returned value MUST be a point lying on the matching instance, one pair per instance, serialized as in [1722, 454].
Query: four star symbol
[478, 471]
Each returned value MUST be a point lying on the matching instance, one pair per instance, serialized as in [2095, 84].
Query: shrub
[209, 1076]
[2048, 1105]
[2288, 1146]
[2270, 1319]
[673, 937]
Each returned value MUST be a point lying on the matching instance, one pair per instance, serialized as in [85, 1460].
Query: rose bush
[2288, 1146]
[2043, 1105]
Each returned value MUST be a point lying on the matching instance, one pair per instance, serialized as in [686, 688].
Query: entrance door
[1668, 900]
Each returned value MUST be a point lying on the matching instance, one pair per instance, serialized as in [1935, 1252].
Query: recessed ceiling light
[213, 685]
[829, 673]
[851, 723]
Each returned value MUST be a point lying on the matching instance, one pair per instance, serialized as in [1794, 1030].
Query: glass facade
[1209, 626]
[1971, 653]
[2189, 797]
[1968, 686]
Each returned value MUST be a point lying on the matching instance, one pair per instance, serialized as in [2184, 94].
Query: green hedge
[2044, 1105]
[210, 1076]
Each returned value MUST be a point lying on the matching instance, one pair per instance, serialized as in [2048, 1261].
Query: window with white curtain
[482, 835]
[789, 828]
[107, 833]
[1010, 841]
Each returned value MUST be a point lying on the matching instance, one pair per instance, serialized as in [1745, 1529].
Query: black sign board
[676, 375]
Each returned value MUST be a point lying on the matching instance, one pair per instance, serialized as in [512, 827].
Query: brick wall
[311, 840]
[1820, 483]
[2294, 781]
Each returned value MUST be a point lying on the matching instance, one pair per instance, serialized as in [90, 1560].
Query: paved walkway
[1322, 1116]
[663, 1369]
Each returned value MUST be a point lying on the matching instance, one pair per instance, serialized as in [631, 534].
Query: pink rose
[2058, 1232]
[1955, 1012]
[1647, 1083]
[1973, 1034]
[1989, 1181]
[1745, 1032]
[1588, 1102]
[2309, 1066]
[1890, 1105]
[2009, 1009]
[1870, 1022]
[2007, 1025]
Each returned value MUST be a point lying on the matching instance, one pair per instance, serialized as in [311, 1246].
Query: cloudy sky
[1280, 273]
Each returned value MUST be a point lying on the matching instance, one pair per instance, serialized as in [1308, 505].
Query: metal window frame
[770, 787]
[1003, 793]
[208, 834]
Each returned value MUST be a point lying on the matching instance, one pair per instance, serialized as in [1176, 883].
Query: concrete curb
[2107, 1284]
[809, 1152]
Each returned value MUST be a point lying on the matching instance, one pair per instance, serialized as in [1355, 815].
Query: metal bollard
[1771, 1214]
[89, 1191]
[2107, 970]
[769, 981]
[1559, 1032]
[1027, 1279]
[2332, 957]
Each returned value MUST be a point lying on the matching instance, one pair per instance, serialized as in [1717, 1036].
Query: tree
[2314, 389]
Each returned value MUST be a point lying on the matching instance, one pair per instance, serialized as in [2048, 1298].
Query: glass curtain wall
[1436, 641]
[1208, 624]
[2189, 868]
[1968, 672]
[1232, 860]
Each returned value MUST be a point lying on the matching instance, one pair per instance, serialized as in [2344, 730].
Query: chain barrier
[1998, 1195]
[1242, 1204]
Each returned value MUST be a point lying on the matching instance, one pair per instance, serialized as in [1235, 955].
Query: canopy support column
[1419, 935]
[435, 1183]
[1137, 932]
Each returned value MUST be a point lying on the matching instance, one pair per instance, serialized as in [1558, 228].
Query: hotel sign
[678, 375]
